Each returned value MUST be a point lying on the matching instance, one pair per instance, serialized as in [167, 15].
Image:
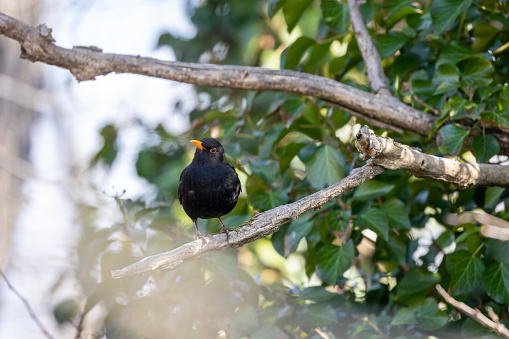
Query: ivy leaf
[388, 44]
[293, 10]
[429, 317]
[445, 12]
[315, 293]
[372, 189]
[397, 213]
[332, 261]
[499, 250]
[376, 220]
[291, 56]
[475, 70]
[298, 229]
[319, 314]
[268, 200]
[404, 317]
[465, 270]
[454, 52]
[496, 282]
[416, 283]
[450, 139]
[497, 118]
[493, 197]
[325, 167]
[446, 79]
[484, 147]
[335, 15]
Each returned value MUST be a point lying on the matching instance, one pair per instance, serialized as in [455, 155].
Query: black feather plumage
[209, 187]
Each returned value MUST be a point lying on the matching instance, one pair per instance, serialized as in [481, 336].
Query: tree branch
[27, 306]
[369, 53]
[258, 227]
[392, 155]
[475, 314]
[86, 63]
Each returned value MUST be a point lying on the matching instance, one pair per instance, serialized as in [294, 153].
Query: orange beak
[198, 144]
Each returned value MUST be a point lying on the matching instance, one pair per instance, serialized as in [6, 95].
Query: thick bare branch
[392, 155]
[258, 227]
[369, 52]
[86, 63]
[475, 314]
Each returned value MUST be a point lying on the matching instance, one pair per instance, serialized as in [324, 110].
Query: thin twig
[475, 314]
[372, 60]
[27, 306]
[423, 103]
[322, 333]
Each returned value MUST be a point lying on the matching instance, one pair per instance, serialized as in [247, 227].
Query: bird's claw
[227, 230]
[201, 236]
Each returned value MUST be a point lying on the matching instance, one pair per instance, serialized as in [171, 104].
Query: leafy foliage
[325, 269]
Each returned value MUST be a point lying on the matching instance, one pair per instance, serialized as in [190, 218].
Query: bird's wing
[180, 190]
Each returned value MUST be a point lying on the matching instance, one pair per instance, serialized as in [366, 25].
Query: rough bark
[86, 63]
[388, 154]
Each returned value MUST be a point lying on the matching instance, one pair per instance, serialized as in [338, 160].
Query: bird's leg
[198, 234]
[226, 230]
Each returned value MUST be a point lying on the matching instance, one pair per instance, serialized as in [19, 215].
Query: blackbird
[209, 187]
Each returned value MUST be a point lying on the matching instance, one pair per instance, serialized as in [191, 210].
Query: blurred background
[50, 132]
[89, 173]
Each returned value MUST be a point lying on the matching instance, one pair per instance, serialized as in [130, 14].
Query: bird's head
[208, 150]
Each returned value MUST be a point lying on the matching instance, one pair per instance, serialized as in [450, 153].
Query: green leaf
[319, 314]
[388, 44]
[298, 230]
[496, 282]
[416, 283]
[335, 15]
[398, 16]
[497, 118]
[404, 317]
[465, 270]
[293, 10]
[498, 249]
[487, 92]
[376, 220]
[445, 12]
[483, 36]
[484, 147]
[429, 317]
[108, 152]
[245, 320]
[287, 154]
[291, 56]
[332, 261]
[325, 167]
[493, 197]
[450, 139]
[315, 293]
[65, 311]
[475, 70]
[397, 213]
[473, 330]
[372, 189]
[446, 78]
[266, 200]
[454, 52]
[293, 107]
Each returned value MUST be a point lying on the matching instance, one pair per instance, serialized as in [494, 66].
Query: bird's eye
[213, 150]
